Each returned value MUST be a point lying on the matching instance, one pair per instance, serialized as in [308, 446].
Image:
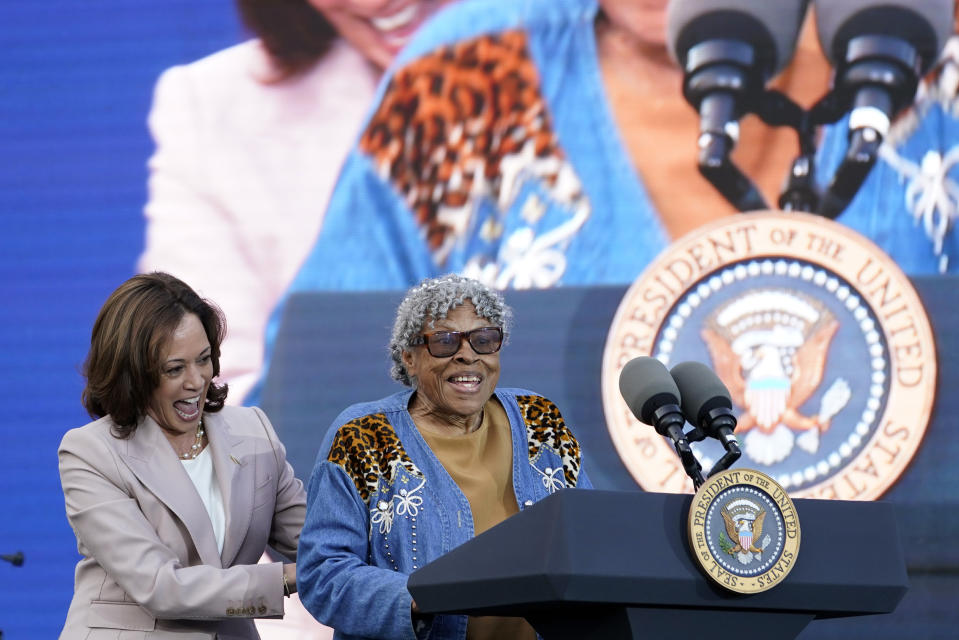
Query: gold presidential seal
[743, 530]
[818, 335]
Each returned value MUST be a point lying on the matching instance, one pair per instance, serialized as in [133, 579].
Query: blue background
[76, 83]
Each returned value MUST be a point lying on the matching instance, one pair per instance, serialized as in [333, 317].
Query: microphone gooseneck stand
[719, 423]
[16, 559]
[721, 76]
[668, 420]
[876, 79]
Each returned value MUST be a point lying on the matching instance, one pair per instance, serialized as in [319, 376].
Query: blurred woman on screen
[249, 142]
[173, 497]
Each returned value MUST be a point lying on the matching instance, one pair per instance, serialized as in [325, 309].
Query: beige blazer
[150, 566]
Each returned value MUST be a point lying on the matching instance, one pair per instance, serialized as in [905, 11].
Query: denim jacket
[380, 505]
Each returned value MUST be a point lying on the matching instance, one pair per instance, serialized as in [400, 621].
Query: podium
[616, 564]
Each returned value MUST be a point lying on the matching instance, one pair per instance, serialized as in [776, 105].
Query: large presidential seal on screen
[821, 339]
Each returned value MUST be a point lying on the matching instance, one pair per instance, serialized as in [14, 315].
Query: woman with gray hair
[403, 480]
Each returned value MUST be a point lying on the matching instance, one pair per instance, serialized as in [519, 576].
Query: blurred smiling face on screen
[186, 369]
[377, 28]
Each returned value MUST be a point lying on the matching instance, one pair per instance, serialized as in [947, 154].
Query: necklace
[197, 444]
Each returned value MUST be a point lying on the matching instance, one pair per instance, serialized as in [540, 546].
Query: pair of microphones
[730, 49]
[668, 399]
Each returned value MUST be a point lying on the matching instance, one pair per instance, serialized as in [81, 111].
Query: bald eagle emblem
[769, 347]
[744, 530]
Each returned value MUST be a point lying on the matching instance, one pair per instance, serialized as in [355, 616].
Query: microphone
[728, 50]
[16, 559]
[880, 49]
[652, 396]
[708, 407]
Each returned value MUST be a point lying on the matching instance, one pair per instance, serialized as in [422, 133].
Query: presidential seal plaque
[743, 530]
[820, 338]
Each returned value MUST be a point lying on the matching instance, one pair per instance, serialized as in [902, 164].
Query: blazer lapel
[152, 459]
[235, 472]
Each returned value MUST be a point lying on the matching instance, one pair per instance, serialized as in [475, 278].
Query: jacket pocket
[119, 615]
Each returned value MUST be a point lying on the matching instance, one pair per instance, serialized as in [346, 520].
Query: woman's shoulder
[244, 61]
[539, 413]
[521, 395]
[94, 441]
[93, 432]
[237, 89]
[238, 419]
[472, 19]
[366, 421]
[361, 412]
[236, 410]
[201, 92]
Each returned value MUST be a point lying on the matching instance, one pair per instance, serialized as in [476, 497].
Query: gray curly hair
[431, 300]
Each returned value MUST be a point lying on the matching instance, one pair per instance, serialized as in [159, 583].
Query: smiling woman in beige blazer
[173, 496]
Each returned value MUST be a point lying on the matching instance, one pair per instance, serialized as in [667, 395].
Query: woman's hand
[289, 579]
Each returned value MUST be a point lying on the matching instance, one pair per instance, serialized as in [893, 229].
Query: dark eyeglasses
[443, 344]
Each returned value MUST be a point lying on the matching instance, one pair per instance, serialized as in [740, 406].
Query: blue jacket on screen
[518, 175]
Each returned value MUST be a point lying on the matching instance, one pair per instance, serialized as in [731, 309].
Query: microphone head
[924, 24]
[646, 385]
[701, 390]
[771, 27]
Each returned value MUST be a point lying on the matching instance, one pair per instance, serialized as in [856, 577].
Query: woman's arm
[336, 584]
[290, 510]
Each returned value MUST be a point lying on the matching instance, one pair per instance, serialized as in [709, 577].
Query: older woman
[173, 496]
[403, 480]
